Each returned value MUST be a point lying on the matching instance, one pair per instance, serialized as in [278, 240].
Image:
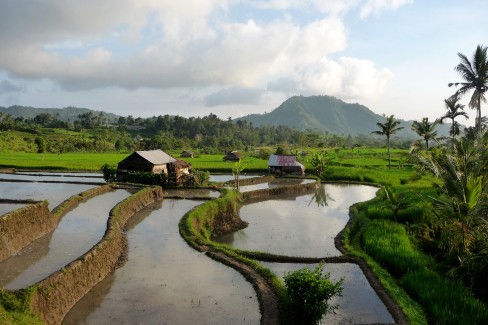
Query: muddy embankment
[54, 296]
[21, 227]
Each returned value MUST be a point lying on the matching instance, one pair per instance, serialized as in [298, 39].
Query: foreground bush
[309, 293]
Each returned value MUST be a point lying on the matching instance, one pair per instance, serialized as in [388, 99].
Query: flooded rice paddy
[359, 303]
[228, 177]
[304, 225]
[279, 182]
[7, 207]
[55, 193]
[55, 177]
[76, 233]
[165, 281]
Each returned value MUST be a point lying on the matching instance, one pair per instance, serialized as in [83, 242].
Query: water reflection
[76, 233]
[54, 177]
[166, 282]
[8, 207]
[296, 227]
[55, 193]
[359, 303]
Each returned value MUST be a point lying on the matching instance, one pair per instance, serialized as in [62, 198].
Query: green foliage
[202, 177]
[388, 243]
[320, 161]
[147, 178]
[109, 173]
[446, 301]
[41, 144]
[309, 293]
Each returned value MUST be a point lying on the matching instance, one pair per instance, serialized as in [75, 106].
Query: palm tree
[426, 130]
[388, 128]
[475, 75]
[454, 109]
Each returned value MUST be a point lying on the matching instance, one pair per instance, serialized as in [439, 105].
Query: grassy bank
[413, 278]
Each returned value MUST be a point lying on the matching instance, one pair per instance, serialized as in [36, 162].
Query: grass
[389, 248]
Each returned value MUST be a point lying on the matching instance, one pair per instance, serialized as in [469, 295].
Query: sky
[235, 57]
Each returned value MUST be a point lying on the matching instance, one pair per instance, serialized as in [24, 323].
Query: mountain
[64, 114]
[329, 114]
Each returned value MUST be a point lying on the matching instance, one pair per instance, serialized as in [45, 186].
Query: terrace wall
[21, 227]
[54, 296]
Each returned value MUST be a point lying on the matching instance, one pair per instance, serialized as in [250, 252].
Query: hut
[187, 154]
[232, 156]
[154, 161]
[285, 164]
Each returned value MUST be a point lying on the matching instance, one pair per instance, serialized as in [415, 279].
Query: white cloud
[346, 78]
[234, 96]
[377, 6]
[188, 45]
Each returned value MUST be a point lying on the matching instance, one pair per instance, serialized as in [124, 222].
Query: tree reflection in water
[320, 197]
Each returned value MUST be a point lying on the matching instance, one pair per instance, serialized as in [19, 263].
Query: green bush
[309, 293]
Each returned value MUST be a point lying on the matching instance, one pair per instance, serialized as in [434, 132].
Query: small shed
[187, 154]
[285, 164]
[155, 161]
[232, 156]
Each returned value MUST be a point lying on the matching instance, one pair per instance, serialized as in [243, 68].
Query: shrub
[309, 293]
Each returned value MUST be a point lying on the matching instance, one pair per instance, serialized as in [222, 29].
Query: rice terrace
[220, 185]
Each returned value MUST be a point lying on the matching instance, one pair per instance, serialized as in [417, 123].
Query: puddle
[191, 193]
[303, 225]
[55, 193]
[75, 234]
[279, 182]
[359, 303]
[55, 177]
[8, 207]
[165, 281]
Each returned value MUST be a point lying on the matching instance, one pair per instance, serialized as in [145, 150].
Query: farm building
[232, 156]
[285, 164]
[154, 161]
[187, 154]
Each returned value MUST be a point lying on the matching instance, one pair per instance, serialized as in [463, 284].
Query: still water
[165, 281]
[304, 225]
[76, 233]
[55, 193]
[359, 303]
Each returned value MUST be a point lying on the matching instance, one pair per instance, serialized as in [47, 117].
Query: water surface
[278, 182]
[304, 225]
[359, 303]
[8, 207]
[165, 281]
[54, 177]
[228, 177]
[76, 233]
[55, 193]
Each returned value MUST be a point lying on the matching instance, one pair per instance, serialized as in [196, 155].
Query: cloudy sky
[235, 57]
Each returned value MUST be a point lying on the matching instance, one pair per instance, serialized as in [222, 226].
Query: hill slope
[64, 114]
[328, 114]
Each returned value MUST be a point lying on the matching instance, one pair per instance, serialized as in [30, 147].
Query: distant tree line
[208, 134]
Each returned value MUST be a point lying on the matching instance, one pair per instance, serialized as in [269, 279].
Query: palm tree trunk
[389, 156]
[426, 146]
[479, 115]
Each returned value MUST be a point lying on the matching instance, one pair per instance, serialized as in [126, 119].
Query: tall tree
[475, 75]
[389, 128]
[454, 109]
[426, 130]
